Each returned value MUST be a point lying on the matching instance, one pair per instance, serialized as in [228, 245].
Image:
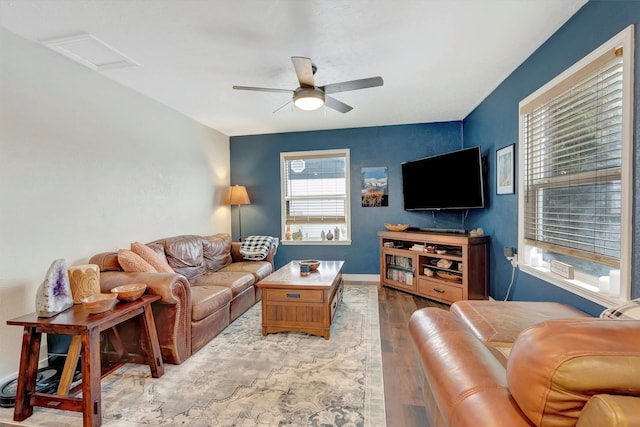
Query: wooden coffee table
[295, 303]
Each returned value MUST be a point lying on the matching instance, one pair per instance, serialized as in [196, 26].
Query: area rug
[244, 379]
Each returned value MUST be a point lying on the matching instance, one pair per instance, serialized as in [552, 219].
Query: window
[575, 176]
[315, 197]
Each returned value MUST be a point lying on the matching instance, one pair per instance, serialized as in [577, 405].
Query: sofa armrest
[467, 382]
[172, 314]
[169, 286]
[556, 366]
[611, 411]
[237, 257]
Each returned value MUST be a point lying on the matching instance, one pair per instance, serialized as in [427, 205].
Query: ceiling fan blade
[262, 89]
[281, 107]
[352, 85]
[337, 105]
[304, 70]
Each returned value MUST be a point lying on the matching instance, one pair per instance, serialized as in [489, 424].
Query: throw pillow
[628, 311]
[152, 257]
[133, 263]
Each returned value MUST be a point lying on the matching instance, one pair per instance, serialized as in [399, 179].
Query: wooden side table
[85, 329]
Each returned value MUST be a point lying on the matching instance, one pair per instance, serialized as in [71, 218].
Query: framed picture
[375, 187]
[505, 171]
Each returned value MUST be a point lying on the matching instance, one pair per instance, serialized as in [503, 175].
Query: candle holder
[84, 280]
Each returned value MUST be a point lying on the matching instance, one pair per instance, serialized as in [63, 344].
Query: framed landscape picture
[374, 189]
[505, 171]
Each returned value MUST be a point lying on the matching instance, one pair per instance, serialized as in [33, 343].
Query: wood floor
[401, 367]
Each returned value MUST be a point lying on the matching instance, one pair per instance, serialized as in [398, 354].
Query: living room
[89, 165]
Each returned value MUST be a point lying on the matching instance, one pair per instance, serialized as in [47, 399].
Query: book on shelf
[393, 245]
[401, 276]
[400, 261]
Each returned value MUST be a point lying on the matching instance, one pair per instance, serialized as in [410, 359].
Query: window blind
[315, 189]
[573, 164]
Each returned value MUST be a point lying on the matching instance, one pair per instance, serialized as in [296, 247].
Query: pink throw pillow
[133, 263]
[151, 257]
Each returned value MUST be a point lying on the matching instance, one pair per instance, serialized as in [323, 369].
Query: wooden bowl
[99, 303]
[312, 263]
[396, 227]
[129, 292]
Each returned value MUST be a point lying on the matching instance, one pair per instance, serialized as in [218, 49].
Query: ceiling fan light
[308, 99]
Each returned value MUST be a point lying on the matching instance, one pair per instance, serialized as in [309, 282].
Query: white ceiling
[439, 58]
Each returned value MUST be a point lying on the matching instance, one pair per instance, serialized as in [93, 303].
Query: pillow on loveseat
[151, 257]
[627, 311]
[133, 263]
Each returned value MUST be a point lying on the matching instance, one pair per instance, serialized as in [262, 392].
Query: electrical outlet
[511, 255]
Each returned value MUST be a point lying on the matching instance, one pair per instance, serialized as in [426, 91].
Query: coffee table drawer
[298, 295]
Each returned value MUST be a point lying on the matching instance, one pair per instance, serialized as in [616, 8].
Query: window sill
[315, 242]
[574, 286]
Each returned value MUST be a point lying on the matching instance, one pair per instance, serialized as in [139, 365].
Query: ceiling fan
[310, 97]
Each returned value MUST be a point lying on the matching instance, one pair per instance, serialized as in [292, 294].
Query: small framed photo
[505, 170]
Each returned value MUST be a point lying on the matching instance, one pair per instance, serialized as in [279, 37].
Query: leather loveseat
[212, 285]
[490, 363]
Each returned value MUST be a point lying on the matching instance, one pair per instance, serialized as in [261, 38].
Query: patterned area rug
[244, 379]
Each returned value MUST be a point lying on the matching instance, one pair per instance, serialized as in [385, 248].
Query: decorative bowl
[312, 263]
[99, 303]
[129, 292]
[396, 227]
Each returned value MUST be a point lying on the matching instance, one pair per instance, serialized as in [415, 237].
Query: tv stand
[443, 266]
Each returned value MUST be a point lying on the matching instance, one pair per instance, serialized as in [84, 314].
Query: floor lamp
[237, 195]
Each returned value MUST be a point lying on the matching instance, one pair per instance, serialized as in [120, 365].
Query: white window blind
[573, 162]
[315, 194]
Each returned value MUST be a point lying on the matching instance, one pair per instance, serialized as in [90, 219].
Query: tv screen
[446, 181]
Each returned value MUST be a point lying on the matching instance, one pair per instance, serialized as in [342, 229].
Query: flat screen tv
[452, 180]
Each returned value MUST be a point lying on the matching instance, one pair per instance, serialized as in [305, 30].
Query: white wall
[86, 166]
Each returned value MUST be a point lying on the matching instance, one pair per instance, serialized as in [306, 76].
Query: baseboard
[361, 278]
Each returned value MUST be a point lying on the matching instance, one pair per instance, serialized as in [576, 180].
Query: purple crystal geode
[54, 294]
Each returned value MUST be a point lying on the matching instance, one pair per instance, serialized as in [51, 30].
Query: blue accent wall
[494, 124]
[255, 163]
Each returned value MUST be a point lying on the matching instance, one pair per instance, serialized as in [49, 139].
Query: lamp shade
[237, 195]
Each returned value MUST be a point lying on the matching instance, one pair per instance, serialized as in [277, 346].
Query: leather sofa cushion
[556, 366]
[259, 269]
[107, 261]
[207, 299]
[193, 256]
[184, 255]
[606, 410]
[217, 251]
[236, 281]
[499, 325]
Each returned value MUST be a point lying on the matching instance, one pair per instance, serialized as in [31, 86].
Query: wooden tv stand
[423, 273]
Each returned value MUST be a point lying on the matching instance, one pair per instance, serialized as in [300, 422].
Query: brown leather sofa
[212, 286]
[490, 363]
